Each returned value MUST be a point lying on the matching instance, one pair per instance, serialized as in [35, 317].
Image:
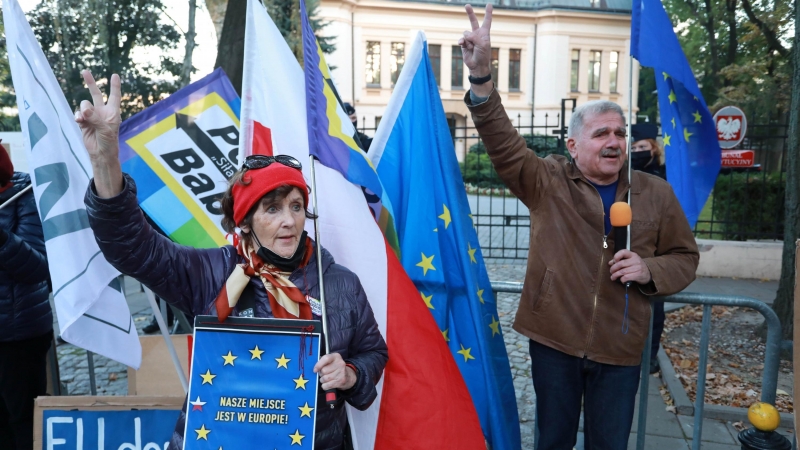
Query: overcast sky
[205, 52]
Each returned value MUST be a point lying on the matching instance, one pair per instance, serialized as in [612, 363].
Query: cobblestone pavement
[517, 348]
[111, 377]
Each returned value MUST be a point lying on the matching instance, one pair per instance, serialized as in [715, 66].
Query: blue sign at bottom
[108, 430]
[252, 384]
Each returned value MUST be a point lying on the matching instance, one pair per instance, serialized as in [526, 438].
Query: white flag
[274, 122]
[90, 306]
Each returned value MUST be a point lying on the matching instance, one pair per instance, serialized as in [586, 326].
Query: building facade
[544, 53]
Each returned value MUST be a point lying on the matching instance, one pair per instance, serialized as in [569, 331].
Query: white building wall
[558, 31]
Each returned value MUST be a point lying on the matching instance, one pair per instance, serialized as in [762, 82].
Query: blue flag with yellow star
[252, 384]
[416, 161]
[690, 138]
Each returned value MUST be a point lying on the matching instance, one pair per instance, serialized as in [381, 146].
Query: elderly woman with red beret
[273, 259]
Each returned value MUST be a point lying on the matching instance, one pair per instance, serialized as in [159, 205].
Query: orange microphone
[620, 216]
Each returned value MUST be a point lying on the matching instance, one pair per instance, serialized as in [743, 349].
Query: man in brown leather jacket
[586, 329]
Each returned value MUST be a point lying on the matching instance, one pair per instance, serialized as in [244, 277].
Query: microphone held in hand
[620, 216]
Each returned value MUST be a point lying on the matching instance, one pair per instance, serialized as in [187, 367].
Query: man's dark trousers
[608, 392]
[659, 317]
[23, 377]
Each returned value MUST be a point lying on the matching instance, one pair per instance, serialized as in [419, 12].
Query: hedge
[749, 205]
[477, 169]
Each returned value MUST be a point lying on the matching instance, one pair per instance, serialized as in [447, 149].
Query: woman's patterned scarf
[285, 298]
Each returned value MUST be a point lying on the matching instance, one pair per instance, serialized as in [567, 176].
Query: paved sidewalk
[665, 430]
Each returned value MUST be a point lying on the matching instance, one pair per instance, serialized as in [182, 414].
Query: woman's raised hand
[476, 46]
[99, 122]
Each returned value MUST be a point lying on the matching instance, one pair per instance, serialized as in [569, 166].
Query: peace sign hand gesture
[475, 45]
[99, 123]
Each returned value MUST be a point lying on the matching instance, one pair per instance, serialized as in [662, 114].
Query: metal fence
[769, 378]
[746, 203]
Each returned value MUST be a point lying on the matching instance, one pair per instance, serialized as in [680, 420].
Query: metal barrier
[769, 378]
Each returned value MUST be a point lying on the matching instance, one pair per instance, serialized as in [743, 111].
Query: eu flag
[690, 138]
[417, 165]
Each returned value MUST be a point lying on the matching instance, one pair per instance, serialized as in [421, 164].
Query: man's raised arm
[521, 170]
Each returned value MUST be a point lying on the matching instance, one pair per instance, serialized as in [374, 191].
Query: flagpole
[16, 196]
[330, 395]
[167, 339]
[629, 141]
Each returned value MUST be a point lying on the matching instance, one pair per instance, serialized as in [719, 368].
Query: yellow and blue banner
[332, 137]
[252, 381]
[693, 155]
[181, 152]
[413, 151]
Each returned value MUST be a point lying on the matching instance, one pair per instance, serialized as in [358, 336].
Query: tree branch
[773, 43]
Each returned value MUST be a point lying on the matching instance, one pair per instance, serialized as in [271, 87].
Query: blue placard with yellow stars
[252, 383]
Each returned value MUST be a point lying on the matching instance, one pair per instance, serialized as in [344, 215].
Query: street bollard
[765, 420]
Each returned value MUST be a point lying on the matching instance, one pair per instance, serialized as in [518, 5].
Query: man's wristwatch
[480, 80]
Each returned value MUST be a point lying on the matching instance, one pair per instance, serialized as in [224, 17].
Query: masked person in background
[26, 320]
[366, 141]
[647, 156]
[646, 152]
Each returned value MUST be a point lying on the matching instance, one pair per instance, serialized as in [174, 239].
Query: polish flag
[422, 402]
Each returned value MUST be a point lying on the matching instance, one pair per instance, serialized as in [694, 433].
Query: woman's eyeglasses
[260, 161]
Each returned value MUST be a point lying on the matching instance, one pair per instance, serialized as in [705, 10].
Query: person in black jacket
[26, 321]
[273, 259]
[366, 141]
[647, 156]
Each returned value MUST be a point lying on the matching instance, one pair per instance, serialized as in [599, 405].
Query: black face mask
[640, 159]
[285, 264]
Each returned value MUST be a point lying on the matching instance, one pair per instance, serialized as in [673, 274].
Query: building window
[514, 56]
[495, 65]
[373, 64]
[613, 68]
[573, 79]
[594, 70]
[457, 69]
[435, 55]
[398, 59]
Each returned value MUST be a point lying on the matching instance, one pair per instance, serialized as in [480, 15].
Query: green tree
[648, 98]
[737, 50]
[285, 14]
[7, 97]
[784, 300]
[102, 36]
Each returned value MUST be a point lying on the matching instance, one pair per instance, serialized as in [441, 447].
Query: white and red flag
[422, 401]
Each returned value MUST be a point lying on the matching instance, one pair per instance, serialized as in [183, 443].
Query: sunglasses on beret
[260, 161]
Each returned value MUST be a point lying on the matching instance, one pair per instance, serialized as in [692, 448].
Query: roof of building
[616, 6]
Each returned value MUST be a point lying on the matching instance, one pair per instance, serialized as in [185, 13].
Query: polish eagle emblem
[728, 128]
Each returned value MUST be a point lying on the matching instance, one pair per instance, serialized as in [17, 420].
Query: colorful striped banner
[181, 152]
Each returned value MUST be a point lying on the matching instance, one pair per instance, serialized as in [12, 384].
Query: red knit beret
[262, 181]
[6, 167]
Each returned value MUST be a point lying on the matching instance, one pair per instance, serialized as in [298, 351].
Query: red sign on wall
[738, 158]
